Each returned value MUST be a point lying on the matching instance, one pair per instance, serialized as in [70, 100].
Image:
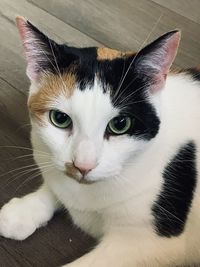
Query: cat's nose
[83, 167]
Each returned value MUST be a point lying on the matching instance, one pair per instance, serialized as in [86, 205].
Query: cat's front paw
[17, 219]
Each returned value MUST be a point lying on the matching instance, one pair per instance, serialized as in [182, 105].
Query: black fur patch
[60, 56]
[195, 73]
[130, 95]
[173, 204]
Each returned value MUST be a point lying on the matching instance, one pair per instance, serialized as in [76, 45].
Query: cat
[122, 134]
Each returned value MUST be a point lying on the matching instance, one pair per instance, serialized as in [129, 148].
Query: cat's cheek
[58, 143]
[116, 155]
[110, 165]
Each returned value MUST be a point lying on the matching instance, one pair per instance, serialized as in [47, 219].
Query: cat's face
[93, 108]
[77, 129]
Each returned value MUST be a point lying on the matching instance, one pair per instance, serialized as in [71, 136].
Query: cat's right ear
[40, 51]
[155, 59]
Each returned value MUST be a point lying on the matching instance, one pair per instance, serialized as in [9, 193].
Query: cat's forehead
[63, 93]
[90, 107]
[98, 64]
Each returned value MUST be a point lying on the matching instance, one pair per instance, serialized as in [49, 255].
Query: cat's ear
[156, 59]
[40, 51]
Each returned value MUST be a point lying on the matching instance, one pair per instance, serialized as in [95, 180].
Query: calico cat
[122, 133]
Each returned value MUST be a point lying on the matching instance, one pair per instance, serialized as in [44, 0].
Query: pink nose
[84, 168]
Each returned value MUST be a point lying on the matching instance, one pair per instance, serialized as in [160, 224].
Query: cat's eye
[60, 119]
[119, 125]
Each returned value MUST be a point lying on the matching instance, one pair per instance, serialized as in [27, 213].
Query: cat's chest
[131, 197]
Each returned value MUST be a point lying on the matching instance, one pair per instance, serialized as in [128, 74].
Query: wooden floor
[126, 25]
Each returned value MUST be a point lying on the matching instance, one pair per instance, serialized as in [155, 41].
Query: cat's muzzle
[72, 172]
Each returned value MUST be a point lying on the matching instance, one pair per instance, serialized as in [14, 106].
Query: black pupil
[119, 123]
[61, 117]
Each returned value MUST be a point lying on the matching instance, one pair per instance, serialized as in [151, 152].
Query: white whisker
[135, 57]
[25, 148]
[58, 70]
[30, 178]
[30, 155]
[26, 172]
[21, 168]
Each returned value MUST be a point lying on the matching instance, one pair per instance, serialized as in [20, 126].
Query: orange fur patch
[51, 87]
[72, 172]
[104, 53]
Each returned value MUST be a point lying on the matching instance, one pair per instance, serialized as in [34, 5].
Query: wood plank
[52, 26]
[187, 8]
[13, 104]
[13, 65]
[14, 131]
[126, 24]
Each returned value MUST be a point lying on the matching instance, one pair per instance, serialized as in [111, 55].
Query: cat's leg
[111, 251]
[20, 217]
[89, 222]
[136, 250]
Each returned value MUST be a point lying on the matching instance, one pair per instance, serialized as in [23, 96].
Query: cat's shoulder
[193, 72]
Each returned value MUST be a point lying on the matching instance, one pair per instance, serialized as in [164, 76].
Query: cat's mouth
[73, 173]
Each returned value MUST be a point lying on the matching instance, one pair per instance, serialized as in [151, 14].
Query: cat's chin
[85, 180]
[79, 179]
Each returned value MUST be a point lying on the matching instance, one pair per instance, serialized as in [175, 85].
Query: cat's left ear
[156, 59]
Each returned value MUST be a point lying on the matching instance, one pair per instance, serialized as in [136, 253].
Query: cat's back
[180, 105]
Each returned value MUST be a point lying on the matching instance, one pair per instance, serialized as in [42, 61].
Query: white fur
[117, 207]
[20, 217]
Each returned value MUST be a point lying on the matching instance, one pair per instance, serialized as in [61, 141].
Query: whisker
[46, 55]
[132, 93]
[31, 169]
[21, 168]
[136, 102]
[135, 57]
[122, 72]
[122, 92]
[169, 213]
[58, 70]
[23, 126]
[25, 148]
[30, 155]
[23, 173]
[28, 180]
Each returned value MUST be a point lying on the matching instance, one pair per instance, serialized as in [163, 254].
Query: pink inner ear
[25, 34]
[171, 51]
[166, 59]
[159, 82]
[21, 25]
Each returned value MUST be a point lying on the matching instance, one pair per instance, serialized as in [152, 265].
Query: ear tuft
[21, 23]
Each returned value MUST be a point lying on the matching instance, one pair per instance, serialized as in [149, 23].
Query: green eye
[60, 119]
[119, 125]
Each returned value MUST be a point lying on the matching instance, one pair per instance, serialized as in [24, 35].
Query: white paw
[18, 219]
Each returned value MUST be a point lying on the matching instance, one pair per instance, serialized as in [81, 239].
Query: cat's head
[94, 108]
